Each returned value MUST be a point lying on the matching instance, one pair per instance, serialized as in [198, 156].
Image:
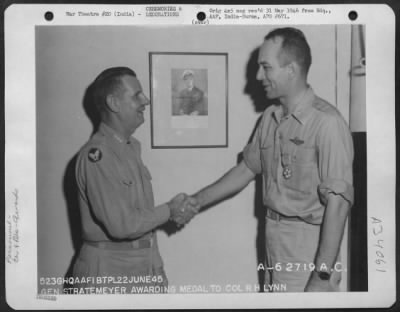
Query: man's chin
[270, 96]
[139, 123]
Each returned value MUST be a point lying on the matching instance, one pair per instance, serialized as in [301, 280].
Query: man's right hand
[183, 208]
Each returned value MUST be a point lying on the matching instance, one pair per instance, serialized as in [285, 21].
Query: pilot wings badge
[297, 141]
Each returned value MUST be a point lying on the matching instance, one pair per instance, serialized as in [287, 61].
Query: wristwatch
[323, 275]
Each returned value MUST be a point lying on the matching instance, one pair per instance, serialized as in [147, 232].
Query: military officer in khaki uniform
[304, 150]
[115, 192]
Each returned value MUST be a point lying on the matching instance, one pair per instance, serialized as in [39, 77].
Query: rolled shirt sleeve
[115, 202]
[335, 157]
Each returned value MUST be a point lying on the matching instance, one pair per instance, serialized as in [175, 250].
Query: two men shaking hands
[183, 208]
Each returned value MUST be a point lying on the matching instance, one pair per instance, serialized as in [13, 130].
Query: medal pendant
[287, 172]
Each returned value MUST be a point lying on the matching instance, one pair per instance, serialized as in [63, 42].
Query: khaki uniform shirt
[115, 192]
[303, 157]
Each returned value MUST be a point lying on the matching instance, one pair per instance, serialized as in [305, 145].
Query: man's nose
[146, 101]
[260, 74]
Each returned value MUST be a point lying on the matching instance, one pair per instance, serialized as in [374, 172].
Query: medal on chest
[286, 164]
[287, 172]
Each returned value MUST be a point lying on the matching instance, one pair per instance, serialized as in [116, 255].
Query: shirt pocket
[303, 167]
[126, 178]
[128, 189]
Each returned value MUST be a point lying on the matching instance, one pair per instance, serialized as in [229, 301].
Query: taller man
[303, 149]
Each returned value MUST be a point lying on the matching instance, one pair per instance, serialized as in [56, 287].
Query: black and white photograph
[189, 92]
[175, 162]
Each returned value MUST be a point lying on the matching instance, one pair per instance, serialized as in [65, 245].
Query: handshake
[183, 208]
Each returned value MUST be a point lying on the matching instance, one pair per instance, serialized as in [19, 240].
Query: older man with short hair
[115, 193]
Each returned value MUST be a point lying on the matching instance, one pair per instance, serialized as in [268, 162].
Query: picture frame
[189, 99]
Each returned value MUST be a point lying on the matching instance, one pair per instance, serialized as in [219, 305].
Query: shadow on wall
[70, 187]
[254, 87]
[90, 108]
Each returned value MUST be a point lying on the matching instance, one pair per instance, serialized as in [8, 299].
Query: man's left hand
[315, 284]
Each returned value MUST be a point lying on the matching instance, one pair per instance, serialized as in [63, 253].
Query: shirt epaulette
[96, 141]
[325, 107]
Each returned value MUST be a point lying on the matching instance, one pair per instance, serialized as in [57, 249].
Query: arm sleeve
[251, 152]
[114, 203]
[335, 152]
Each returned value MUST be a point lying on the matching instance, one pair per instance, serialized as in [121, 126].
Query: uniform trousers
[291, 247]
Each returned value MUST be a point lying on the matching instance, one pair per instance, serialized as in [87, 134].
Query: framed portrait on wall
[189, 97]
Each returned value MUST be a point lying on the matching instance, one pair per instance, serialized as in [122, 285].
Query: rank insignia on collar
[94, 154]
[297, 141]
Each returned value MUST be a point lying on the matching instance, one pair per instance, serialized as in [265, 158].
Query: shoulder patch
[95, 155]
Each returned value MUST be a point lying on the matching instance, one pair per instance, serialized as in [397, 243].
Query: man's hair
[294, 47]
[108, 82]
[187, 73]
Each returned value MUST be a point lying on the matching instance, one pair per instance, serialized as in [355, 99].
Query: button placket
[277, 153]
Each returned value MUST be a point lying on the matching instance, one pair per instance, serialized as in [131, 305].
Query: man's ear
[112, 103]
[293, 69]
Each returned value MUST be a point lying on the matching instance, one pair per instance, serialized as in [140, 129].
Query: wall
[219, 245]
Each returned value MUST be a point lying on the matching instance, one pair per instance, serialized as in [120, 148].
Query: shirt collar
[112, 134]
[302, 109]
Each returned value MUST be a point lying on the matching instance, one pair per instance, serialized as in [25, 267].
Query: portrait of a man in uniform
[189, 98]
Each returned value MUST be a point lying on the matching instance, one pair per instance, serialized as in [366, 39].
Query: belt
[271, 214]
[136, 244]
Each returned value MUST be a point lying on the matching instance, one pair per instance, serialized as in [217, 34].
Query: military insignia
[297, 141]
[287, 172]
[94, 155]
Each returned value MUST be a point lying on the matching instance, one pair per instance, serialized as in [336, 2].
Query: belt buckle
[273, 215]
[142, 243]
[134, 244]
